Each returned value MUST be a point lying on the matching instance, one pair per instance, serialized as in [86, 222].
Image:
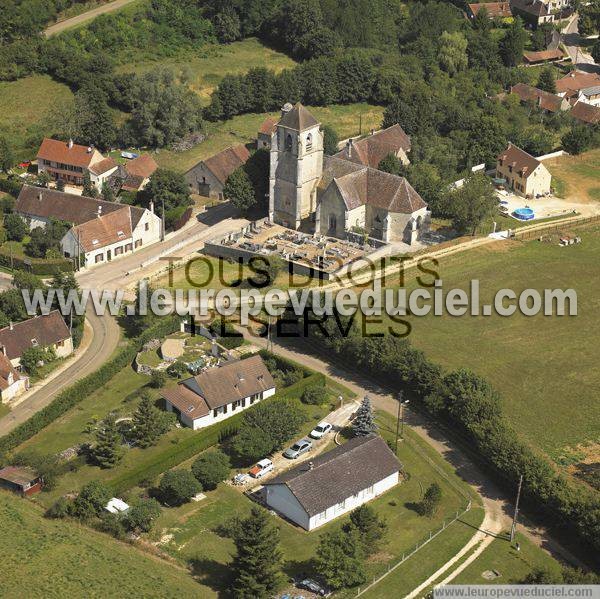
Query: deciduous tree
[211, 468]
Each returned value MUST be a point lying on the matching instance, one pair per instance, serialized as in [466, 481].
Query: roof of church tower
[298, 118]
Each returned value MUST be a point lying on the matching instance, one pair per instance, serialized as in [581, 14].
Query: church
[334, 195]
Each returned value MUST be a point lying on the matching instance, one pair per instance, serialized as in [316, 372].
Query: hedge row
[11, 186]
[38, 266]
[283, 363]
[74, 394]
[201, 441]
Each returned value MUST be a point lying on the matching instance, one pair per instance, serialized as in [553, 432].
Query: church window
[309, 142]
[288, 142]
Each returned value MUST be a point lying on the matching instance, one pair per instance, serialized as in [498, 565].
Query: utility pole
[269, 340]
[400, 419]
[513, 529]
[360, 124]
[162, 228]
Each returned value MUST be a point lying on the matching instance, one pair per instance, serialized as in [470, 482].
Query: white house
[219, 393]
[101, 231]
[12, 382]
[334, 483]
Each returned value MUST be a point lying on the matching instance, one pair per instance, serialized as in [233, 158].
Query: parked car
[261, 468]
[314, 587]
[297, 449]
[320, 430]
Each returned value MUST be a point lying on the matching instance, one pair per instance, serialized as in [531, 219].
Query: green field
[244, 128]
[63, 559]
[576, 177]
[26, 106]
[203, 69]
[544, 366]
[512, 565]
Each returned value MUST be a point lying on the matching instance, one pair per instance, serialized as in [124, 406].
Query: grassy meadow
[64, 559]
[543, 366]
[577, 178]
[25, 108]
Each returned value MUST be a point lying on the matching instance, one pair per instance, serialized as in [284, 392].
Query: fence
[554, 227]
[418, 546]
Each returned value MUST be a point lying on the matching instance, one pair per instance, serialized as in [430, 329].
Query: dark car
[313, 586]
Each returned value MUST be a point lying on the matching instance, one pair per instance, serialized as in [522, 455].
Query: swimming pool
[524, 213]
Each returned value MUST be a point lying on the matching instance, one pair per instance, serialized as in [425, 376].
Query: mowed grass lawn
[244, 128]
[545, 367]
[577, 178]
[192, 534]
[25, 106]
[60, 558]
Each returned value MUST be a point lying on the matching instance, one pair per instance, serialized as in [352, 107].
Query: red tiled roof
[268, 126]
[142, 166]
[545, 100]
[99, 168]
[104, 230]
[6, 369]
[577, 80]
[59, 151]
[372, 149]
[190, 404]
[522, 162]
[221, 165]
[47, 330]
[543, 56]
[494, 9]
[586, 113]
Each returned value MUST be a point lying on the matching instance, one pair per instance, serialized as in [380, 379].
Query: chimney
[151, 206]
[10, 325]
[70, 144]
[372, 131]
[99, 211]
[349, 147]
[40, 196]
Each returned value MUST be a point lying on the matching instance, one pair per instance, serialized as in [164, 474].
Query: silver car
[297, 449]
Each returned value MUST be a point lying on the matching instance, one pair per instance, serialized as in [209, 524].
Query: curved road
[84, 17]
[106, 335]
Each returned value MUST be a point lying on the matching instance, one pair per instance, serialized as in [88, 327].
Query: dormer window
[309, 142]
[95, 242]
[34, 343]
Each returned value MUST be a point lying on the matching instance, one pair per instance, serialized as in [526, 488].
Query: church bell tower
[296, 167]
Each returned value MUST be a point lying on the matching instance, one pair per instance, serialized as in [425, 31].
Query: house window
[99, 258]
[309, 142]
[128, 247]
[219, 411]
[138, 243]
[118, 251]
[61, 343]
[147, 227]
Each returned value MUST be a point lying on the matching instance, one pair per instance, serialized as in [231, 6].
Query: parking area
[339, 419]
[545, 207]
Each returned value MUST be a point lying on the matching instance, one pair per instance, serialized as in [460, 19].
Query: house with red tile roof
[69, 162]
[586, 113]
[208, 177]
[542, 99]
[101, 231]
[135, 174]
[494, 10]
[268, 127]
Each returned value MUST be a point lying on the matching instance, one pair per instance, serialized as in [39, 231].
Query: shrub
[178, 487]
[15, 226]
[140, 517]
[158, 379]
[59, 509]
[314, 396]
[431, 500]
[211, 468]
[91, 500]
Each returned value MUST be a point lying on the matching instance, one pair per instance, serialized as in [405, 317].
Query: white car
[320, 430]
[261, 468]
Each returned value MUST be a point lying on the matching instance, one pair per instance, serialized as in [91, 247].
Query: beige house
[336, 195]
[45, 331]
[524, 174]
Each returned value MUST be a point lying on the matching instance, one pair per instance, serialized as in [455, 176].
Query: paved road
[84, 17]
[572, 40]
[106, 334]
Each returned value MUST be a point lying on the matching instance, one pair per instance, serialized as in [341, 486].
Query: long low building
[219, 393]
[101, 231]
[334, 483]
